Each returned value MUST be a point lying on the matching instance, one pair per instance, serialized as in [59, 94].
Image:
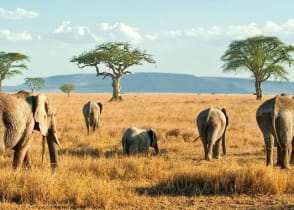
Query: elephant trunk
[51, 141]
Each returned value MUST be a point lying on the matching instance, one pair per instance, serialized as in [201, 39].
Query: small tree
[11, 64]
[117, 57]
[262, 56]
[67, 88]
[34, 83]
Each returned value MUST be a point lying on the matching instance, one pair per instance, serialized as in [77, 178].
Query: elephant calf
[137, 140]
[92, 112]
[212, 125]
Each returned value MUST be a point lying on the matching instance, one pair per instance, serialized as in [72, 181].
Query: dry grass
[93, 173]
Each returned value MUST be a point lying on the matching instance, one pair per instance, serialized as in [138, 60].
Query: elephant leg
[27, 160]
[279, 156]
[205, 147]
[88, 126]
[211, 139]
[292, 153]
[285, 156]
[216, 149]
[19, 155]
[284, 132]
[269, 144]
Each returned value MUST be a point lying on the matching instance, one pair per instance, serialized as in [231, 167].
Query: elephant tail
[198, 137]
[274, 114]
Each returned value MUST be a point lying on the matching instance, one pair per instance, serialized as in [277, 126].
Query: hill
[160, 83]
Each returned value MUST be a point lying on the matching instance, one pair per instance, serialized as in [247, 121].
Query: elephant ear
[225, 113]
[41, 113]
[152, 136]
[100, 106]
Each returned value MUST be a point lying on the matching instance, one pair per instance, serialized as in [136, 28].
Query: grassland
[93, 173]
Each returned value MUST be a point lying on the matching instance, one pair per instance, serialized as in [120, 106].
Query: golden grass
[93, 173]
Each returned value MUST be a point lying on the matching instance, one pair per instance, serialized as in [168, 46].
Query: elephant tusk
[57, 141]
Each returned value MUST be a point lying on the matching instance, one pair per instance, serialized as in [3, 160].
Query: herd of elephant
[23, 112]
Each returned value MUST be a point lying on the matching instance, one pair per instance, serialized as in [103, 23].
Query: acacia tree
[262, 56]
[117, 57]
[67, 88]
[11, 64]
[34, 83]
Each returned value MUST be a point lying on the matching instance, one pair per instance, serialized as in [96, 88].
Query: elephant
[92, 112]
[136, 140]
[275, 118]
[20, 114]
[212, 124]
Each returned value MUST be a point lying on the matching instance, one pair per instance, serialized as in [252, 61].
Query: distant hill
[160, 83]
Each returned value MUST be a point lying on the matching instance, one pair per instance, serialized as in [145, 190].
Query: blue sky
[183, 36]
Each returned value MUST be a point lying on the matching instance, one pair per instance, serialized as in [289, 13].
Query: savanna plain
[93, 173]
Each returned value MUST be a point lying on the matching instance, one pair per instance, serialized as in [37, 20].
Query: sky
[183, 36]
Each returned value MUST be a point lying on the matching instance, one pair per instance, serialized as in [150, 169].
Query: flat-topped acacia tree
[11, 64]
[117, 57]
[262, 56]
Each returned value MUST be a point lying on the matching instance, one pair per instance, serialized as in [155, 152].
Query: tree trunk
[258, 90]
[116, 90]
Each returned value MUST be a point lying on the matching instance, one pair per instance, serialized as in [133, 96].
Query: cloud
[74, 34]
[270, 28]
[64, 27]
[17, 14]
[14, 37]
[124, 32]
[121, 31]
[151, 37]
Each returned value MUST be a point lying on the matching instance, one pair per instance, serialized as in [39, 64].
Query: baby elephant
[92, 112]
[137, 140]
[212, 124]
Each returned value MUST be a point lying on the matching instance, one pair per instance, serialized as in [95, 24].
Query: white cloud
[122, 31]
[14, 37]
[107, 26]
[270, 28]
[151, 37]
[64, 27]
[17, 14]
[77, 34]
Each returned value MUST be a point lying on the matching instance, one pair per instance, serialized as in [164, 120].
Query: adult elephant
[275, 118]
[137, 140]
[212, 125]
[20, 114]
[92, 112]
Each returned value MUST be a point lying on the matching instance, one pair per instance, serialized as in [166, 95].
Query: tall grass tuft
[210, 181]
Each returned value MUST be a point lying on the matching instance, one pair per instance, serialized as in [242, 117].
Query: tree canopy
[117, 57]
[262, 56]
[67, 88]
[11, 64]
[34, 83]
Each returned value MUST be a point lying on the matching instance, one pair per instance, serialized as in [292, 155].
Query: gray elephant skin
[275, 118]
[21, 113]
[137, 140]
[212, 125]
[92, 112]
